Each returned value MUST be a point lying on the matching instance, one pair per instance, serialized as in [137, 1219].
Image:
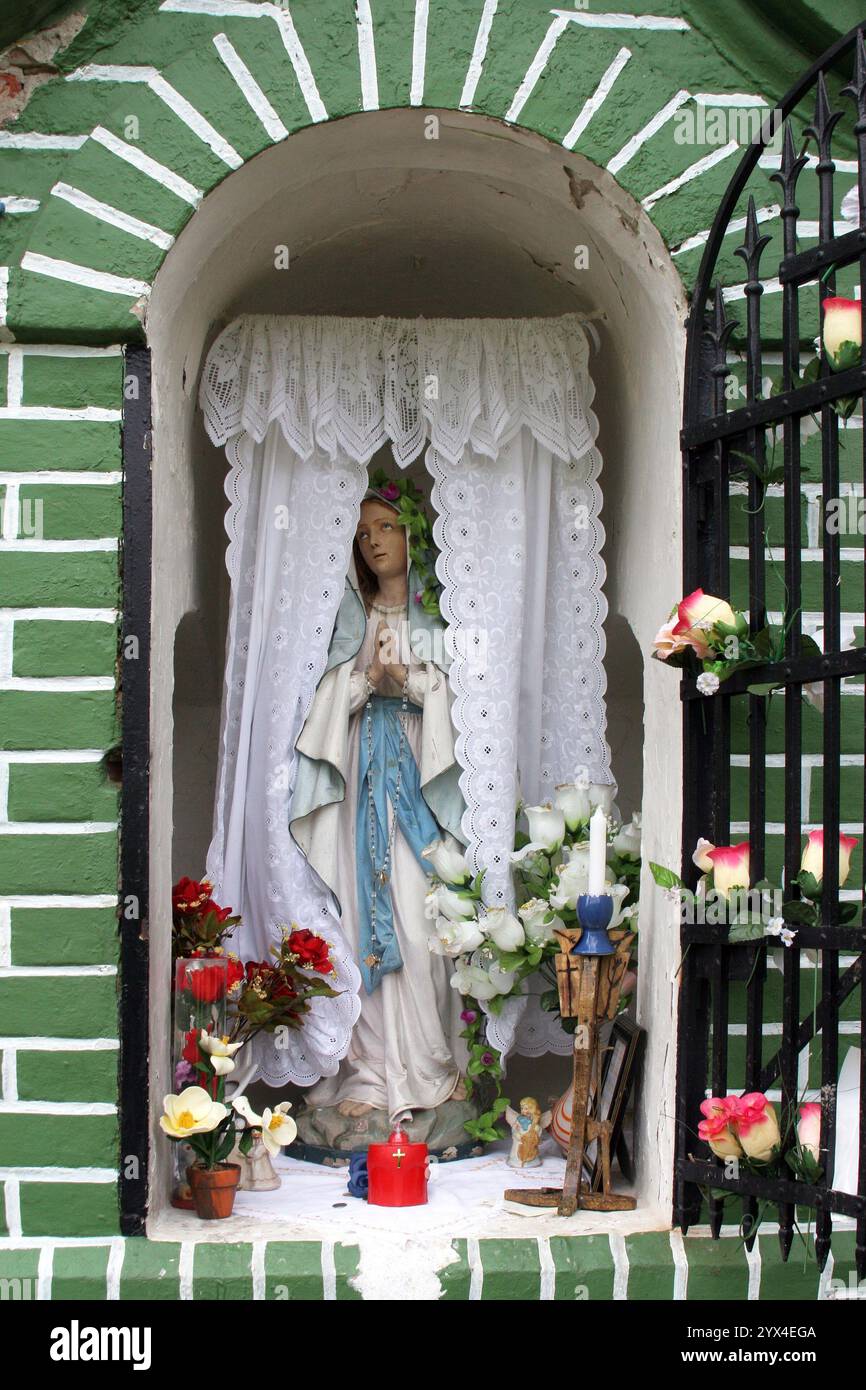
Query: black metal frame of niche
[134, 668]
[712, 438]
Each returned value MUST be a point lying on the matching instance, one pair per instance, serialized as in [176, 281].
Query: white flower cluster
[466, 931]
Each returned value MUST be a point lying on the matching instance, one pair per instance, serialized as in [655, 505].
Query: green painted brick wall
[67, 719]
[71, 511]
[61, 792]
[78, 445]
[84, 1141]
[73, 1076]
[65, 648]
[63, 936]
[59, 1006]
[59, 863]
[77, 579]
[71, 383]
[69, 1209]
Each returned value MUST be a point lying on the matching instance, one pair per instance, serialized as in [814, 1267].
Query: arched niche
[410, 213]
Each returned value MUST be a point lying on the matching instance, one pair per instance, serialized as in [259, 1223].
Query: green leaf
[500, 1106]
[847, 912]
[746, 931]
[811, 371]
[549, 1000]
[763, 690]
[511, 960]
[665, 878]
[800, 914]
[809, 884]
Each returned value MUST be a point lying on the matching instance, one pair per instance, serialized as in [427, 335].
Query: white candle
[597, 850]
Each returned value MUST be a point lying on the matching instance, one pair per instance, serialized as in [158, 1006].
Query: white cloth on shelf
[504, 409]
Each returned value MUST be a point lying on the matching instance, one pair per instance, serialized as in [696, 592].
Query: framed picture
[618, 1075]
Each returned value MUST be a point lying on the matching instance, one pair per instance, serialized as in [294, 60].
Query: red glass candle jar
[397, 1172]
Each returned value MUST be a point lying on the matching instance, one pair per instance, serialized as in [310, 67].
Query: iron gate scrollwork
[747, 453]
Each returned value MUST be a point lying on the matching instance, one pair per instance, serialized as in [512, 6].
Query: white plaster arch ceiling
[485, 220]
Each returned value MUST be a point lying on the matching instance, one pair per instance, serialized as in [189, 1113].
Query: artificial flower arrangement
[725, 895]
[746, 1128]
[745, 1131]
[705, 635]
[494, 949]
[199, 924]
[253, 997]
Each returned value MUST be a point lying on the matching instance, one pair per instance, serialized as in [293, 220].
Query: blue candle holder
[594, 911]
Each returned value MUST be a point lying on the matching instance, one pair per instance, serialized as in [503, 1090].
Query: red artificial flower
[190, 1047]
[188, 895]
[235, 972]
[311, 950]
[207, 984]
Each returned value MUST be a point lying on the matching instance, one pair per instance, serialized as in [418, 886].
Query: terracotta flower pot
[213, 1190]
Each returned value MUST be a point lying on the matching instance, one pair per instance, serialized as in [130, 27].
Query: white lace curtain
[503, 406]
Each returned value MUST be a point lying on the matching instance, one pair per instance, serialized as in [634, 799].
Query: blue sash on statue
[414, 818]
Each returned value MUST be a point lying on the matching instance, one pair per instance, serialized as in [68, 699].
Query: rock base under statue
[326, 1136]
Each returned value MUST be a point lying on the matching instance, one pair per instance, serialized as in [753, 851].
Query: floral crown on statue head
[407, 501]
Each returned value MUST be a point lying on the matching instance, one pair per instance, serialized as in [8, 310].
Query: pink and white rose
[730, 866]
[812, 861]
[809, 1128]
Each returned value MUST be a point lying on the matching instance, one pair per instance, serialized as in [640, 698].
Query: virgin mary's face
[381, 540]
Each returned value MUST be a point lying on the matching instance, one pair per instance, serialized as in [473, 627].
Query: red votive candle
[397, 1172]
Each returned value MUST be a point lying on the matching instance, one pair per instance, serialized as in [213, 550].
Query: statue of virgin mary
[376, 783]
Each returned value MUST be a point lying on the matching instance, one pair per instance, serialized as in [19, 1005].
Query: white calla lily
[448, 861]
[191, 1112]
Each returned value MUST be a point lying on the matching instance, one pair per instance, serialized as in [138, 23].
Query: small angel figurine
[526, 1129]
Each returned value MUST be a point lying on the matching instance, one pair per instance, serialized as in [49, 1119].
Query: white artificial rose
[502, 980]
[628, 837]
[573, 878]
[546, 826]
[538, 931]
[619, 892]
[473, 981]
[447, 861]
[455, 938]
[573, 801]
[602, 794]
[442, 901]
[504, 930]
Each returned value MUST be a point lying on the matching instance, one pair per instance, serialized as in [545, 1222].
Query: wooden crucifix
[589, 989]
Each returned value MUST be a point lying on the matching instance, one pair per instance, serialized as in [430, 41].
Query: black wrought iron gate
[749, 451]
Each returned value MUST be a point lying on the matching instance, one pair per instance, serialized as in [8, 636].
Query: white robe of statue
[405, 1052]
